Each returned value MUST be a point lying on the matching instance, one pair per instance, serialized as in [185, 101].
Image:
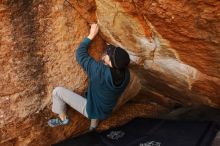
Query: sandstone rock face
[174, 48]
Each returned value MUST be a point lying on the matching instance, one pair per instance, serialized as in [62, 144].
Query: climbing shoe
[57, 122]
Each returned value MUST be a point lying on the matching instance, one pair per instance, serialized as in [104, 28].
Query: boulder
[173, 46]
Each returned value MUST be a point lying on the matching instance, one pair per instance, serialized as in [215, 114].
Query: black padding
[150, 132]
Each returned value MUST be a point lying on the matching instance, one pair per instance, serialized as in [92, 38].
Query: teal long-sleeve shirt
[102, 94]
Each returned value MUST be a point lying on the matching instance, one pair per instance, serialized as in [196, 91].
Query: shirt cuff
[86, 40]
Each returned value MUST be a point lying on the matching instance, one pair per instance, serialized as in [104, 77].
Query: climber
[108, 79]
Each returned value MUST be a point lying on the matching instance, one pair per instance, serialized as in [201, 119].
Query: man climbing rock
[108, 79]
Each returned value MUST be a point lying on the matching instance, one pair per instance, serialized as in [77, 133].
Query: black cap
[118, 56]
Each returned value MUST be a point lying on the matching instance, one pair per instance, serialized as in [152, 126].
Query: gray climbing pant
[62, 96]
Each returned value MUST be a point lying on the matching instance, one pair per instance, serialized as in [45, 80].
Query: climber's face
[106, 60]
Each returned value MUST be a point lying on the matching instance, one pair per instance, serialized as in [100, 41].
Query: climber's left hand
[93, 31]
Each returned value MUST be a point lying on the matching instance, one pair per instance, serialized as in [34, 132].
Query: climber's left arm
[82, 55]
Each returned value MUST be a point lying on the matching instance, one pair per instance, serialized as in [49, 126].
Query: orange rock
[173, 45]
